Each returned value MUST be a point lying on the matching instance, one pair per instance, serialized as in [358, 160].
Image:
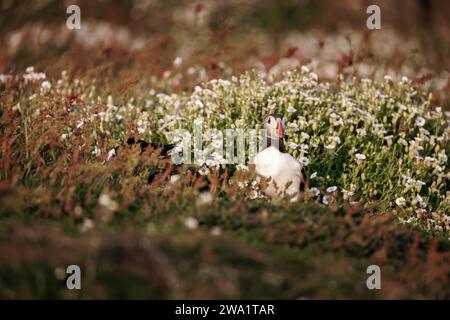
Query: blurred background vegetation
[331, 36]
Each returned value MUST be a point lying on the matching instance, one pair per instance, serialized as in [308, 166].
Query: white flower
[313, 175]
[203, 171]
[290, 109]
[418, 184]
[294, 126]
[330, 146]
[336, 139]
[204, 198]
[315, 191]
[304, 136]
[177, 62]
[420, 199]
[347, 193]
[304, 148]
[87, 225]
[190, 71]
[111, 154]
[302, 121]
[331, 189]
[46, 86]
[400, 201]
[191, 223]
[304, 161]
[361, 132]
[211, 163]
[242, 184]
[442, 157]
[293, 145]
[420, 122]
[216, 231]
[325, 200]
[5, 77]
[174, 178]
[166, 74]
[105, 201]
[360, 157]
[314, 76]
[388, 139]
[407, 181]
[420, 211]
[198, 121]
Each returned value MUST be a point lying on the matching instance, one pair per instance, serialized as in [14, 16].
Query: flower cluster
[364, 139]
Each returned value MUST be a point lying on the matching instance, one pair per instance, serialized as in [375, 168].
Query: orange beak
[280, 128]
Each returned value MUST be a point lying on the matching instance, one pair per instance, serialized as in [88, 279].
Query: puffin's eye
[268, 120]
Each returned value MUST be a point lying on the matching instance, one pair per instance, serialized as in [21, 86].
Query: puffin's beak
[280, 128]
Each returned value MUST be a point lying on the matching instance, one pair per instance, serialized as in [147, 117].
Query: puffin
[284, 175]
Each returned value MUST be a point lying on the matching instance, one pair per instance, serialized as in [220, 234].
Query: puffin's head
[275, 126]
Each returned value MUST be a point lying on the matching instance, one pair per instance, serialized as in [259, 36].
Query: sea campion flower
[294, 126]
[304, 136]
[177, 62]
[290, 109]
[105, 201]
[400, 201]
[191, 223]
[331, 189]
[204, 198]
[420, 122]
[204, 171]
[304, 161]
[198, 121]
[304, 148]
[361, 132]
[315, 191]
[45, 87]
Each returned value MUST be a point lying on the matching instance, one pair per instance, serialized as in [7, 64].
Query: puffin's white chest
[282, 168]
